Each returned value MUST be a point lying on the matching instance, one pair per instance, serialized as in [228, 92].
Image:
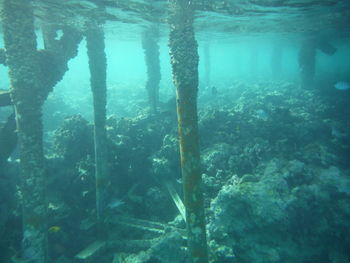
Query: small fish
[342, 85]
[54, 229]
[115, 203]
[261, 114]
[336, 133]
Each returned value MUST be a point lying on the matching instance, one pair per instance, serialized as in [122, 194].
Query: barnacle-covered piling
[56, 55]
[151, 49]
[53, 60]
[98, 68]
[184, 60]
[22, 60]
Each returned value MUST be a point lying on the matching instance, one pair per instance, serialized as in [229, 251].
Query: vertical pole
[184, 60]
[276, 60]
[98, 68]
[22, 60]
[307, 61]
[151, 48]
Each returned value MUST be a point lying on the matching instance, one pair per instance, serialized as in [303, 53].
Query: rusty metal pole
[24, 71]
[184, 60]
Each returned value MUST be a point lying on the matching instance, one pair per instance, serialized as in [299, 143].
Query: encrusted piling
[184, 60]
[53, 60]
[22, 60]
[56, 55]
[307, 57]
[98, 68]
[151, 49]
[307, 61]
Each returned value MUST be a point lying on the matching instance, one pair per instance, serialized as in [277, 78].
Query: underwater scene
[175, 131]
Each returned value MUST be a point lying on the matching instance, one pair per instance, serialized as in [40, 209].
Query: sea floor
[276, 180]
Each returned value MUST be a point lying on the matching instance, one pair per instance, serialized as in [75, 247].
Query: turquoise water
[274, 134]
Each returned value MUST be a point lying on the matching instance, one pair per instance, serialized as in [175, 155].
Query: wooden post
[22, 60]
[98, 68]
[184, 60]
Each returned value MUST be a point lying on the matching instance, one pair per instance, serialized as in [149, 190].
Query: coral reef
[286, 212]
[275, 178]
[283, 186]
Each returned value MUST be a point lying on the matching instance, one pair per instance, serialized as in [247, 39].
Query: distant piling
[254, 63]
[184, 60]
[151, 48]
[22, 60]
[207, 64]
[307, 62]
[98, 70]
[276, 60]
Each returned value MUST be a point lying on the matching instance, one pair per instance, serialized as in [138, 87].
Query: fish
[115, 203]
[336, 133]
[54, 229]
[261, 114]
[342, 85]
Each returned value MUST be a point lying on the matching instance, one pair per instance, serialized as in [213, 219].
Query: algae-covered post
[98, 67]
[184, 60]
[151, 48]
[22, 60]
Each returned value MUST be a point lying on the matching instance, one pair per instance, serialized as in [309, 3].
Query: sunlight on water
[247, 17]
